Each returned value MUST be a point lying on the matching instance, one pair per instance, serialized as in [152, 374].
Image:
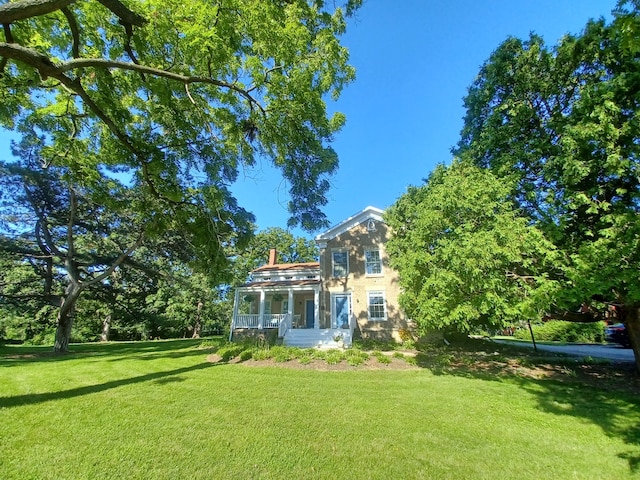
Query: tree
[290, 250]
[170, 99]
[464, 255]
[561, 124]
[61, 241]
[179, 94]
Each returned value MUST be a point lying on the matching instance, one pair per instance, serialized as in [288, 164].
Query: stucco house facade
[352, 290]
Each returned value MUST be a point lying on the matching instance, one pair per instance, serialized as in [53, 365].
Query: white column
[236, 302]
[261, 311]
[316, 308]
[290, 305]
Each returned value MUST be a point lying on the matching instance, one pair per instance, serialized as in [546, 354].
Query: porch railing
[252, 320]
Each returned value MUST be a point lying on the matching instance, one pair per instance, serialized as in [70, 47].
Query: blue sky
[414, 61]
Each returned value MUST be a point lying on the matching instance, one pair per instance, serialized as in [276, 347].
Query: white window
[377, 306]
[340, 260]
[267, 307]
[372, 262]
[285, 306]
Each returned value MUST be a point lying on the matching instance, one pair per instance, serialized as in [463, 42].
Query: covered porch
[276, 306]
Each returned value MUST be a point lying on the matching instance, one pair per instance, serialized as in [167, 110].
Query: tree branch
[75, 32]
[115, 264]
[186, 79]
[125, 15]
[23, 9]
[9, 37]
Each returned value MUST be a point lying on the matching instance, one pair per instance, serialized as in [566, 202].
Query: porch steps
[312, 338]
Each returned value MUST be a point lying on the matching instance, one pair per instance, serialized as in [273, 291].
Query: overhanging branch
[23, 9]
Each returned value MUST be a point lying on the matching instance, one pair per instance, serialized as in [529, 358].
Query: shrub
[227, 352]
[261, 354]
[381, 357]
[561, 331]
[356, 357]
[246, 355]
[282, 354]
[335, 356]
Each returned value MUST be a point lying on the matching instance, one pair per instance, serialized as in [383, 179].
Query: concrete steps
[312, 338]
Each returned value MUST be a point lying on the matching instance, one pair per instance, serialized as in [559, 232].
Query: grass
[159, 410]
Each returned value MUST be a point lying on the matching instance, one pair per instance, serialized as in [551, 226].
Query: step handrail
[285, 325]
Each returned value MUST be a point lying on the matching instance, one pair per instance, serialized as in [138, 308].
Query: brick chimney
[273, 254]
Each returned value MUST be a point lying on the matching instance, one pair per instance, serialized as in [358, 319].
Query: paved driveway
[609, 352]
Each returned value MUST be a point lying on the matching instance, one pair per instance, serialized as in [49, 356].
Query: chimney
[272, 256]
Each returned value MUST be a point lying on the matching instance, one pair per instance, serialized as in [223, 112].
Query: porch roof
[285, 283]
[289, 266]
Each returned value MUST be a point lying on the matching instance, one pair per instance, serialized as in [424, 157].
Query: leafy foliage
[180, 95]
[559, 331]
[289, 249]
[464, 254]
[560, 125]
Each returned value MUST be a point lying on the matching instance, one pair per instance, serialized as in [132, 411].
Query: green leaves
[465, 255]
[187, 96]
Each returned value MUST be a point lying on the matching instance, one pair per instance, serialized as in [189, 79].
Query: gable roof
[354, 220]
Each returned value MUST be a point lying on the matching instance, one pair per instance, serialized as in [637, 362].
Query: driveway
[609, 351]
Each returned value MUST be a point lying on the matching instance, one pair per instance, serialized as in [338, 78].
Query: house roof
[283, 267]
[286, 283]
[354, 220]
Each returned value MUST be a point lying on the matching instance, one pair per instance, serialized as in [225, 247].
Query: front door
[309, 313]
[341, 310]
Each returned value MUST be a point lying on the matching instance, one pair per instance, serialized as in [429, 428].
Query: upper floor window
[376, 306]
[340, 262]
[372, 262]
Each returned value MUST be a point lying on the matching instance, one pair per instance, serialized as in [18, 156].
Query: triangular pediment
[368, 216]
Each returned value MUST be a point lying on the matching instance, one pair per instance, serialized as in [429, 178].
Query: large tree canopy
[562, 125]
[159, 104]
[464, 254]
[179, 94]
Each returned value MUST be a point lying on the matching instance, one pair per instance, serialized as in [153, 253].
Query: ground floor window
[377, 306]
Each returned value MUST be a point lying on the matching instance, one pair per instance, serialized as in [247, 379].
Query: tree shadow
[605, 395]
[117, 351]
[159, 377]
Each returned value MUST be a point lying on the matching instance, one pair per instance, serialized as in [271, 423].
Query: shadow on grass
[117, 351]
[159, 377]
[605, 395]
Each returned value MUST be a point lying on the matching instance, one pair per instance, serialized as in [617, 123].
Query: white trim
[333, 306]
[377, 293]
[373, 249]
[333, 269]
[353, 221]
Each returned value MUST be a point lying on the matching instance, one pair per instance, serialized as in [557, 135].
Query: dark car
[617, 333]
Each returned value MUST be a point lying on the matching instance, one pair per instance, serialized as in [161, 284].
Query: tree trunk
[65, 318]
[198, 323]
[106, 328]
[632, 324]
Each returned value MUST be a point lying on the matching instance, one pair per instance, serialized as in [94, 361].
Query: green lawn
[160, 410]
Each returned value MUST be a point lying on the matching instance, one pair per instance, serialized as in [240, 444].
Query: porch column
[236, 301]
[316, 308]
[290, 305]
[261, 311]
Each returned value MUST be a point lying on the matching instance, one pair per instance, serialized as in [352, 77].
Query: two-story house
[351, 291]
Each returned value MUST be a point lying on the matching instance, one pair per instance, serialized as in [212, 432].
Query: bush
[356, 357]
[282, 354]
[335, 356]
[227, 352]
[560, 331]
[381, 357]
[246, 355]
